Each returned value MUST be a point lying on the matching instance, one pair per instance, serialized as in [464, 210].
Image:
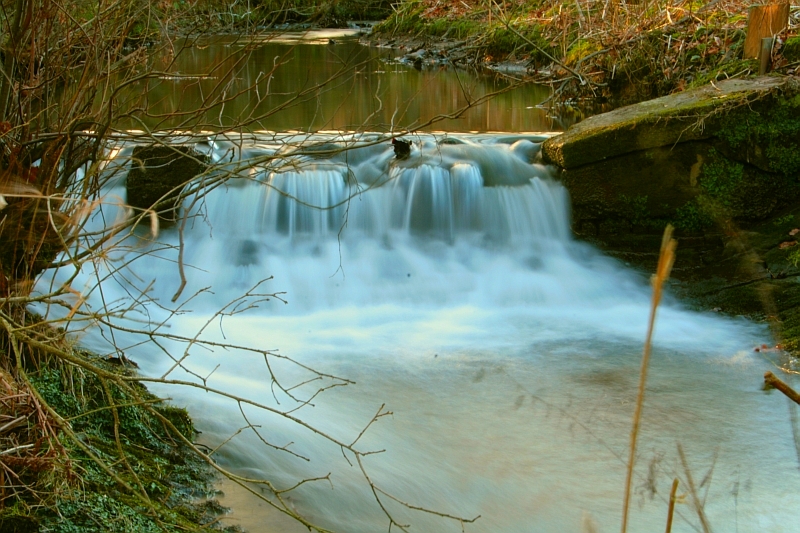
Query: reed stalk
[671, 511]
[665, 261]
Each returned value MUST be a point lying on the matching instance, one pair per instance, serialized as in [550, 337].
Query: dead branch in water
[772, 381]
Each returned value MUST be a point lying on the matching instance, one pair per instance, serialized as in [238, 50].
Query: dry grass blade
[29, 448]
[698, 505]
[671, 511]
[665, 262]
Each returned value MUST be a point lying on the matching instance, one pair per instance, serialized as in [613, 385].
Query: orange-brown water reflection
[283, 84]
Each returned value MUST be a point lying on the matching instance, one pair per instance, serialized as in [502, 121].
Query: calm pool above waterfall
[446, 286]
[300, 82]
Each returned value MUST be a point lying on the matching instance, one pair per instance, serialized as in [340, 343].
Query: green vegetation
[692, 217]
[157, 462]
[452, 29]
[736, 68]
[722, 178]
[123, 465]
[791, 49]
[581, 49]
[775, 128]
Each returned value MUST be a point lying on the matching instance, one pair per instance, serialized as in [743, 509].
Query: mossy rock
[666, 121]
[666, 179]
[157, 175]
[171, 475]
[729, 151]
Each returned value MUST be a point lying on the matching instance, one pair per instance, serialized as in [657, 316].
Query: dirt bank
[595, 55]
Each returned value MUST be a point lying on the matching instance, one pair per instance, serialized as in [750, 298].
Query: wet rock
[157, 175]
[402, 149]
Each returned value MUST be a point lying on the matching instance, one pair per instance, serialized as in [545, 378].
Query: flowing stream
[446, 286]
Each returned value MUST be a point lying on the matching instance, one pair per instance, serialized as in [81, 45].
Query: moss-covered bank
[120, 467]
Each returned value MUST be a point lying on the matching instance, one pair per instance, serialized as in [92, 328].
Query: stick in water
[770, 380]
[671, 509]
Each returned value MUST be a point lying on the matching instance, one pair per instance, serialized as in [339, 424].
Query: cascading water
[447, 286]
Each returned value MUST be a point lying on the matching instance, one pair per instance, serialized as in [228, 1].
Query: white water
[507, 352]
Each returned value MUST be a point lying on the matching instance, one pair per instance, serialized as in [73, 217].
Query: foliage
[637, 213]
[794, 256]
[453, 29]
[782, 221]
[528, 43]
[579, 50]
[776, 128]
[735, 68]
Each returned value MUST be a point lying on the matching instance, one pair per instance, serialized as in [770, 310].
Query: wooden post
[765, 55]
[764, 21]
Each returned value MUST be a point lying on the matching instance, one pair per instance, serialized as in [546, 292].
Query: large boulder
[157, 175]
[729, 150]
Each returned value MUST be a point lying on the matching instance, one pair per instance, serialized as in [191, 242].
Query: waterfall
[448, 286]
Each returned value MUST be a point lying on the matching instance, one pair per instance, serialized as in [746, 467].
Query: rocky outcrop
[158, 173]
[729, 150]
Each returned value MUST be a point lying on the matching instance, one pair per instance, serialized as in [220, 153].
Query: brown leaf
[787, 244]
[794, 232]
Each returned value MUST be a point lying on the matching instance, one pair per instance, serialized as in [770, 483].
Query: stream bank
[110, 460]
[596, 56]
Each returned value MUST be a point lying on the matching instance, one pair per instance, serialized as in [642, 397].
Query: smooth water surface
[300, 82]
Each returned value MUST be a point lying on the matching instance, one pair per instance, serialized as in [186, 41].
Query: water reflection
[284, 84]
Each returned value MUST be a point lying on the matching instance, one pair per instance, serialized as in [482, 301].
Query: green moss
[728, 69]
[454, 29]
[794, 256]
[721, 178]
[406, 20]
[635, 210]
[580, 49]
[166, 470]
[784, 220]
[692, 217]
[791, 49]
[502, 42]
[775, 127]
